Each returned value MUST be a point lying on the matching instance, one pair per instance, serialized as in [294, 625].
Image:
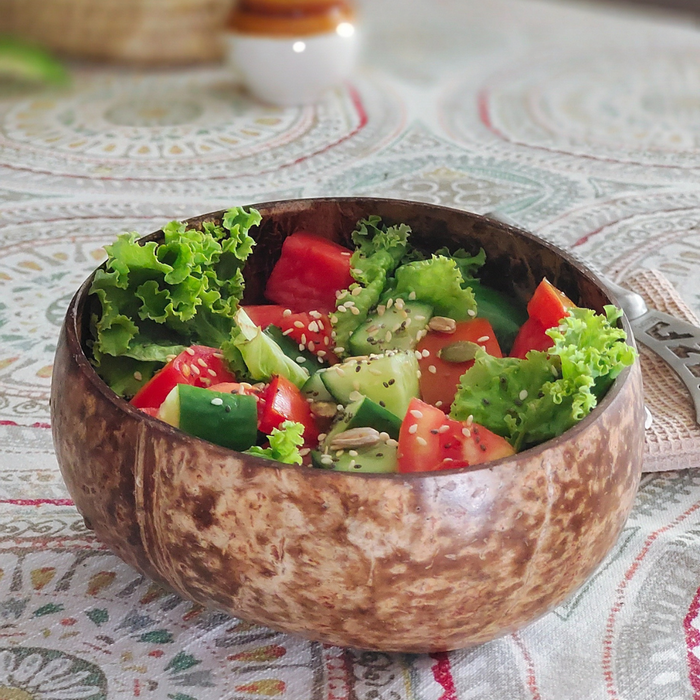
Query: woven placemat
[673, 439]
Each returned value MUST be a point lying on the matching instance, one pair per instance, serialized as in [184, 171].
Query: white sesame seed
[189, 351]
[349, 304]
[412, 296]
[298, 324]
[211, 372]
[387, 337]
[206, 381]
[418, 355]
[186, 370]
[356, 291]
[352, 463]
[389, 303]
[172, 357]
[339, 348]
[470, 420]
[413, 429]
[471, 312]
[320, 325]
[301, 359]
[432, 369]
[217, 402]
[313, 327]
[311, 346]
[418, 374]
[400, 303]
[466, 432]
[327, 341]
[443, 428]
[322, 437]
[381, 309]
[438, 404]
[346, 255]
[483, 339]
[196, 369]
[355, 310]
[341, 372]
[392, 443]
[341, 309]
[327, 459]
[304, 451]
[287, 312]
[355, 396]
[416, 414]
[321, 353]
[421, 441]
[340, 407]
[339, 453]
[302, 347]
[315, 314]
[288, 331]
[383, 436]
[138, 376]
[333, 318]
[523, 395]
[303, 339]
[218, 356]
[425, 353]
[352, 453]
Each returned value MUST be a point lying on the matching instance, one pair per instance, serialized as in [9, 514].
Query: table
[582, 123]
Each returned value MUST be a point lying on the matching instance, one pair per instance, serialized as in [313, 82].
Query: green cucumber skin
[378, 459]
[310, 362]
[505, 315]
[368, 413]
[315, 389]
[236, 428]
[364, 343]
[398, 368]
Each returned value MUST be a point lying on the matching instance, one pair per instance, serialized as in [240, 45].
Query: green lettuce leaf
[532, 400]
[436, 281]
[285, 442]
[157, 299]
[261, 354]
[469, 265]
[379, 251]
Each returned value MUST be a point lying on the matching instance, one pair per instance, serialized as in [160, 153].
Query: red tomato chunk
[309, 272]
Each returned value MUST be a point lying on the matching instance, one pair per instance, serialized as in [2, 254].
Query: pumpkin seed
[460, 351]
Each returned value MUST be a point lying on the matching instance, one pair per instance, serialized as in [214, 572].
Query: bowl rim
[76, 309]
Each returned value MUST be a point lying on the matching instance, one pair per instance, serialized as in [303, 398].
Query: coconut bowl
[412, 563]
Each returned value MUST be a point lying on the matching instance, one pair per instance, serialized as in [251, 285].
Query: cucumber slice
[315, 389]
[229, 420]
[379, 459]
[391, 380]
[397, 328]
[362, 413]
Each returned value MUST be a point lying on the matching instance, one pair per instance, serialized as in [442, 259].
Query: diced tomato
[150, 411]
[265, 315]
[531, 336]
[309, 328]
[309, 272]
[281, 401]
[438, 385]
[549, 305]
[430, 441]
[197, 365]
[236, 388]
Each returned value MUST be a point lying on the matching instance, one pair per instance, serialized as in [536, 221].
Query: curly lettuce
[532, 400]
[285, 442]
[379, 250]
[157, 299]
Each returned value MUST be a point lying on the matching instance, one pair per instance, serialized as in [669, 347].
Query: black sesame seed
[386, 385]
[382, 404]
[392, 382]
[358, 368]
[517, 402]
[486, 402]
[434, 431]
[227, 409]
[482, 448]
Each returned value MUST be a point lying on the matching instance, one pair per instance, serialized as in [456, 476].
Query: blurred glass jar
[289, 52]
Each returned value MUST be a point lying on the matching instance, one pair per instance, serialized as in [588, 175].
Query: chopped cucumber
[380, 459]
[315, 389]
[229, 420]
[396, 328]
[391, 380]
[365, 413]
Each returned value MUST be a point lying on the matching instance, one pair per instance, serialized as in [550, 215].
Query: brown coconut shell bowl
[413, 563]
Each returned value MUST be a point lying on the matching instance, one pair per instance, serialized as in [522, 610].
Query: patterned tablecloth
[580, 123]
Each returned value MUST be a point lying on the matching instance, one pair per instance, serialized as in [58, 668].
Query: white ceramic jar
[289, 53]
